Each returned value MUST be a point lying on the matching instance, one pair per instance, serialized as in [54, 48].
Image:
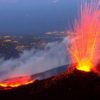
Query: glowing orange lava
[15, 82]
[84, 66]
[87, 31]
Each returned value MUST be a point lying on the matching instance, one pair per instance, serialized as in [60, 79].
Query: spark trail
[87, 31]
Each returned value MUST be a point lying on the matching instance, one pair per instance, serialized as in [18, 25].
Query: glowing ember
[87, 31]
[15, 82]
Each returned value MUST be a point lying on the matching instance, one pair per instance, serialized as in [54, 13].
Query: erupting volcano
[86, 42]
[83, 48]
[80, 80]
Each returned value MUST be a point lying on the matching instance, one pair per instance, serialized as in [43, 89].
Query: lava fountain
[87, 31]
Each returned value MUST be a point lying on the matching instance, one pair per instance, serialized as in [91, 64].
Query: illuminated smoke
[33, 61]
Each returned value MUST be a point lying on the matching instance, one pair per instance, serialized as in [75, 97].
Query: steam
[36, 61]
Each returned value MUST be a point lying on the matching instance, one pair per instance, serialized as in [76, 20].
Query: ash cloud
[36, 61]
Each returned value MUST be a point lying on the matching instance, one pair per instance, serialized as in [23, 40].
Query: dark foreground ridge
[73, 86]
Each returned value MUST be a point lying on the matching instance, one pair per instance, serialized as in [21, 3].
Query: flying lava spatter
[87, 36]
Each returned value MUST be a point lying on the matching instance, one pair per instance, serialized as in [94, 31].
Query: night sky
[36, 16]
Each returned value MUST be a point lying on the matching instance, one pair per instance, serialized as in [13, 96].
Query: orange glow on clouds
[87, 31]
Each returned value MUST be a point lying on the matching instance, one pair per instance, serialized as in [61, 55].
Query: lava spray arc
[87, 33]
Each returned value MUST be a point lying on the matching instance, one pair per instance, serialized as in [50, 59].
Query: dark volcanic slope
[73, 86]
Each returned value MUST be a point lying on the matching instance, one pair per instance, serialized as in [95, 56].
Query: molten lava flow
[87, 31]
[15, 82]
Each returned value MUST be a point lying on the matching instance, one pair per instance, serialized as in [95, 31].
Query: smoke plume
[35, 61]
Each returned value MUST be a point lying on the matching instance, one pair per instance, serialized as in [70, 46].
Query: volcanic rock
[76, 85]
